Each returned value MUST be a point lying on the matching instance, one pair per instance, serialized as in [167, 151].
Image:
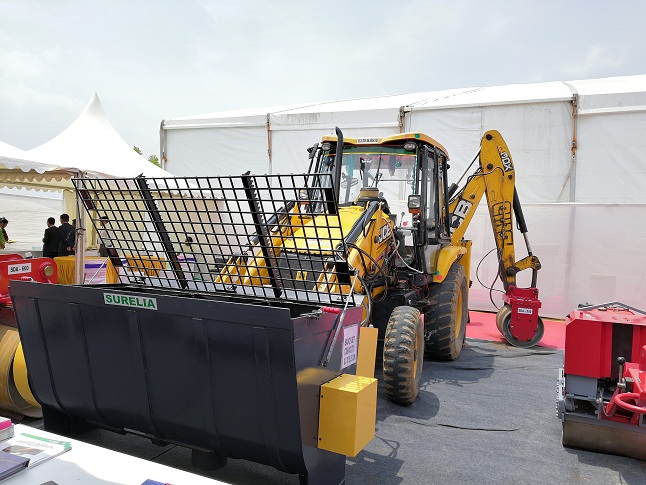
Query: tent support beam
[162, 146]
[269, 143]
[575, 118]
[79, 254]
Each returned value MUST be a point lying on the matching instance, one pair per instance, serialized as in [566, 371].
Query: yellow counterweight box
[347, 414]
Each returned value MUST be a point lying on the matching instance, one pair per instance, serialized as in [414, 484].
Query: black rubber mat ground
[487, 418]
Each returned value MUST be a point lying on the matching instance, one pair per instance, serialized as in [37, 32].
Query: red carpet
[483, 327]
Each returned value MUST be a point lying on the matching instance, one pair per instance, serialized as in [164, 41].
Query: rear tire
[447, 318]
[403, 355]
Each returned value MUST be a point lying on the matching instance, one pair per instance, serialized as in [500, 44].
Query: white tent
[578, 147]
[89, 147]
[569, 133]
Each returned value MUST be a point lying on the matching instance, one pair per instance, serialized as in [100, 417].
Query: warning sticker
[350, 345]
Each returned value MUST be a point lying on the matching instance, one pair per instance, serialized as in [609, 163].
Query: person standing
[106, 248]
[194, 259]
[51, 240]
[64, 230]
[5, 237]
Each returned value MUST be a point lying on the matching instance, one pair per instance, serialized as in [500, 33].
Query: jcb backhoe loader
[251, 341]
[404, 241]
[404, 230]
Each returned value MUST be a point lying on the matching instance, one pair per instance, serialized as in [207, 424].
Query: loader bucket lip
[604, 436]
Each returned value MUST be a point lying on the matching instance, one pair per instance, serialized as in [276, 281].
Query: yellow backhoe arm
[496, 178]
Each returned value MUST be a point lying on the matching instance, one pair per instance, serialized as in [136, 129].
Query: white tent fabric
[18, 169]
[211, 141]
[12, 157]
[578, 148]
[91, 145]
[568, 134]
[27, 212]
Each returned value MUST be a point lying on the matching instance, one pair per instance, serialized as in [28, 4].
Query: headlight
[325, 146]
[414, 204]
[410, 146]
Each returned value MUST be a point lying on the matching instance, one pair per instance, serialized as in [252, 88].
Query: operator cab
[393, 169]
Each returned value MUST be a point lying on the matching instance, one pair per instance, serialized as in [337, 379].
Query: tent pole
[575, 118]
[162, 146]
[269, 143]
[79, 258]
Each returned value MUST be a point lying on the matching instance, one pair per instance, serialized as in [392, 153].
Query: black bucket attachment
[233, 320]
[222, 375]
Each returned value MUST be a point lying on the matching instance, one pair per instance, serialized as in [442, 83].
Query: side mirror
[415, 204]
[312, 151]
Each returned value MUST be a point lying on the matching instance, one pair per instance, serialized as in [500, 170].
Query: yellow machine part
[347, 414]
[367, 353]
[322, 233]
[388, 139]
[448, 256]
[20, 377]
[11, 398]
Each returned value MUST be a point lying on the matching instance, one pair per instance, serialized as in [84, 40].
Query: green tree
[152, 159]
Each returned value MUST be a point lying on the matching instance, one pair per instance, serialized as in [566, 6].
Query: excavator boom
[496, 179]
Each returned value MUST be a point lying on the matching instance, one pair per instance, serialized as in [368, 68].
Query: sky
[150, 60]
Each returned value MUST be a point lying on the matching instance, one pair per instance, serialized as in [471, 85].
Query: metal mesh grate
[272, 236]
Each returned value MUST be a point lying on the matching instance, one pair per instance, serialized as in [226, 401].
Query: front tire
[403, 355]
[446, 321]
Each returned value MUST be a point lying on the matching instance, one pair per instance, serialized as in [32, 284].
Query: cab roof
[389, 139]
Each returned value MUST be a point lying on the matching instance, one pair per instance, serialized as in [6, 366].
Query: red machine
[15, 267]
[602, 387]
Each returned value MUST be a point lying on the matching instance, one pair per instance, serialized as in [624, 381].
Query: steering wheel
[353, 181]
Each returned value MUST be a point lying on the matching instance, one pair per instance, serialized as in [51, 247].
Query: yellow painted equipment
[402, 229]
[347, 414]
[367, 351]
[405, 230]
[259, 321]
[14, 395]
[21, 381]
